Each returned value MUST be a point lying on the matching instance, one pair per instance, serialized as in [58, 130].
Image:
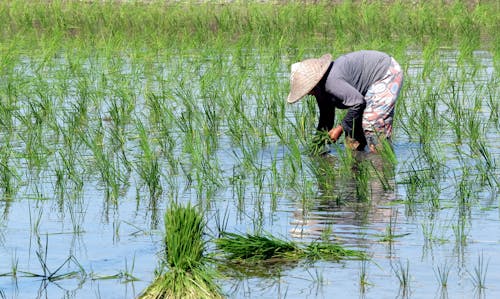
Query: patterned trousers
[380, 101]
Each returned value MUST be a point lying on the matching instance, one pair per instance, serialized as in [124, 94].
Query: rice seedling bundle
[187, 276]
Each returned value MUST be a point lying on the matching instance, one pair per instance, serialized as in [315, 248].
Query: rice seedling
[331, 252]
[478, 276]
[363, 276]
[187, 276]
[442, 273]
[362, 175]
[390, 230]
[461, 230]
[402, 273]
[49, 275]
[110, 173]
[148, 165]
[14, 268]
[254, 248]
[8, 175]
[124, 276]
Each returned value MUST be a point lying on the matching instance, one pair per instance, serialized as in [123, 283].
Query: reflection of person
[339, 209]
[367, 83]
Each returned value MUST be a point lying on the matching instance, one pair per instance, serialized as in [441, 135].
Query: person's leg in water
[380, 102]
[357, 141]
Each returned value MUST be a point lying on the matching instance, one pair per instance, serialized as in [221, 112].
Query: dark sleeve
[353, 117]
[326, 114]
[351, 99]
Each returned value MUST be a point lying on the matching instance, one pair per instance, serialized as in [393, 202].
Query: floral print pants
[380, 101]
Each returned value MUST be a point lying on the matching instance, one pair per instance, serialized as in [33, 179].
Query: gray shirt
[345, 85]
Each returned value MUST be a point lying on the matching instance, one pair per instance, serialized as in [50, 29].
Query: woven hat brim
[305, 75]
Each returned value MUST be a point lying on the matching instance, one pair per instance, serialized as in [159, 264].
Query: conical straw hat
[305, 75]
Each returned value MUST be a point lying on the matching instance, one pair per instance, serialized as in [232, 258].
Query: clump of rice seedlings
[49, 275]
[266, 247]
[109, 172]
[429, 232]
[331, 252]
[123, 276]
[390, 230]
[254, 247]
[326, 175]
[363, 276]
[460, 230]
[362, 175]
[402, 273]
[478, 276]
[148, 165]
[8, 175]
[386, 151]
[319, 142]
[442, 273]
[187, 275]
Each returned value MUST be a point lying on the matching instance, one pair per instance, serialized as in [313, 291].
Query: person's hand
[335, 133]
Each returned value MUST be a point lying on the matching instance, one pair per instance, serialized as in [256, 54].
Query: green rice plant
[184, 244]
[363, 276]
[188, 275]
[385, 176]
[265, 247]
[402, 273]
[429, 232]
[422, 181]
[66, 169]
[318, 144]
[390, 230]
[386, 151]
[8, 174]
[362, 176]
[460, 230]
[162, 117]
[478, 277]
[177, 283]
[331, 252]
[464, 191]
[442, 273]
[148, 165]
[55, 275]
[254, 247]
[326, 175]
[14, 269]
[110, 173]
[255, 24]
[492, 102]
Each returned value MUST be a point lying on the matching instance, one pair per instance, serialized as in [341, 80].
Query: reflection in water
[350, 198]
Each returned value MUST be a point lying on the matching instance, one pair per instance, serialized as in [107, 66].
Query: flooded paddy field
[97, 142]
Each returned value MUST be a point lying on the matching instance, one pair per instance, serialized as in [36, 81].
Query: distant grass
[170, 24]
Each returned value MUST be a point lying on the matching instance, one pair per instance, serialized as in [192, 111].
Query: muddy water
[87, 247]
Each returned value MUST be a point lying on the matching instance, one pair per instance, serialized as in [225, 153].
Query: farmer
[366, 83]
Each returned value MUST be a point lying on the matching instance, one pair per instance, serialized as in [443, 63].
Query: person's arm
[326, 114]
[353, 115]
[352, 99]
